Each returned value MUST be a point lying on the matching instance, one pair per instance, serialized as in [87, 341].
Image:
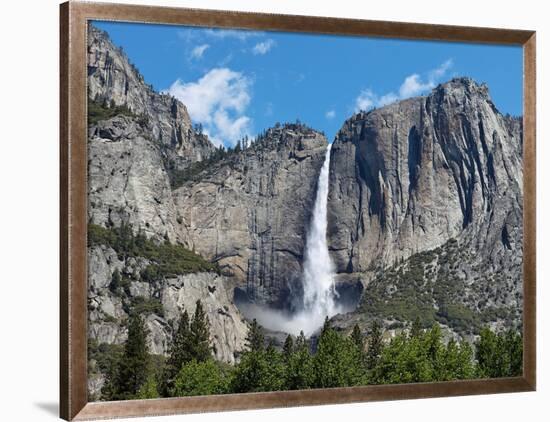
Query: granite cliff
[250, 212]
[137, 140]
[426, 202]
[409, 176]
[133, 154]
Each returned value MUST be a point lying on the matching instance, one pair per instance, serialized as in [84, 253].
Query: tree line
[333, 360]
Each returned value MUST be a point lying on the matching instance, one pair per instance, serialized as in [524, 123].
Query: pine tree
[433, 342]
[326, 326]
[200, 334]
[299, 369]
[180, 354]
[416, 328]
[456, 362]
[499, 355]
[200, 378]
[255, 337]
[423, 358]
[252, 370]
[116, 281]
[149, 390]
[133, 368]
[374, 345]
[513, 343]
[111, 357]
[273, 378]
[488, 355]
[403, 360]
[288, 348]
[357, 338]
[337, 362]
[434, 350]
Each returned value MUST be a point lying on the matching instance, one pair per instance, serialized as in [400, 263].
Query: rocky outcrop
[409, 176]
[426, 202]
[127, 181]
[136, 141]
[113, 80]
[162, 301]
[250, 212]
[132, 155]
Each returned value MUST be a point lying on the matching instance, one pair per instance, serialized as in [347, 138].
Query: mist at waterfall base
[320, 298]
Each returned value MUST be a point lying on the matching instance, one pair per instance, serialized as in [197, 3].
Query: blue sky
[238, 83]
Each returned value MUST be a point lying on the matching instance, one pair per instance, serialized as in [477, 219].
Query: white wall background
[29, 208]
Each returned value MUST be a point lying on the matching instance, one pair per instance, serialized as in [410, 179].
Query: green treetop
[255, 337]
[200, 334]
[133, 368]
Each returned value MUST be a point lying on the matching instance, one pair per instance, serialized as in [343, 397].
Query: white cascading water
[318, 275]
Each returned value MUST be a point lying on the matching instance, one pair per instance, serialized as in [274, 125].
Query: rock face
[131, 156]
[250, 212]
[407, 177]
[127, 181]
[109, 310]
[410, 177]
[112, 78]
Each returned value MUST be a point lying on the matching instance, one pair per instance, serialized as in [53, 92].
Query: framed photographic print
[269, 210]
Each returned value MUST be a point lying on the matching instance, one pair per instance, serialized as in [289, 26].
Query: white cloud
[413, 85]
[366, 99]
[330, 114]
[263, 47]
[218, 101]
[440, 71]
[239, 34]
[387, 99]
[225, 60]
[194, 34]
[228, 128]
[198, 51]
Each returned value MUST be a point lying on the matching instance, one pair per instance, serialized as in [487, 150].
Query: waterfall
[318, 275]
[317, 278]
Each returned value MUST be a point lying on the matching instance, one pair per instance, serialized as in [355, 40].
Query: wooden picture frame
[73, 209]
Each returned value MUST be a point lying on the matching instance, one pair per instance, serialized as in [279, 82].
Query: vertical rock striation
[437, 179]
[250, 212]
[407, 177]
[132, 155]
